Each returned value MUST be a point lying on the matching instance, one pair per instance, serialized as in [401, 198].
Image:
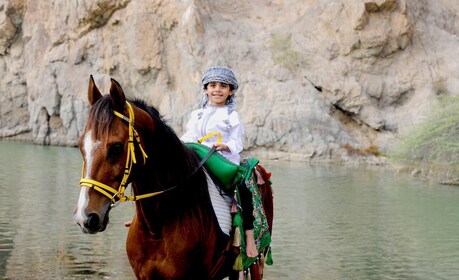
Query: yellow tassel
[237, 237]
[238, 263]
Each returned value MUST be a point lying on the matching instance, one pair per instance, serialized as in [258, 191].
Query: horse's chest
[158, 259]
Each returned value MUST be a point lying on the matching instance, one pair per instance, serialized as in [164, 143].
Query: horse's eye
[115, 150]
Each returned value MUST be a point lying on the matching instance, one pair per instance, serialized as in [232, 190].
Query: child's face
[218, 93]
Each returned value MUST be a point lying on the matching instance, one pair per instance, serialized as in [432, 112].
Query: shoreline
[424, 172]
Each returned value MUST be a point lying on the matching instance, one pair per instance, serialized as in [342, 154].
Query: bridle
[114, 195]
[117, 196]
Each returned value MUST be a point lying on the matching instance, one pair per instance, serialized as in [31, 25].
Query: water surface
[331, 222]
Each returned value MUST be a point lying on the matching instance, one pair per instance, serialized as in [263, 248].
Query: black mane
[166, 131]
[165, 138]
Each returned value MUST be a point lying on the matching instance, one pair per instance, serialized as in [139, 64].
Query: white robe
[210, 119]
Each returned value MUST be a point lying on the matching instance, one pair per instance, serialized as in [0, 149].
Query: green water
[331, 222]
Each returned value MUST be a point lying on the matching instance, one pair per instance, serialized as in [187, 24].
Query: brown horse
[175, 233]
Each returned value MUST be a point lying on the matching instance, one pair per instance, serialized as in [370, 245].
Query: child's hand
[221, 147]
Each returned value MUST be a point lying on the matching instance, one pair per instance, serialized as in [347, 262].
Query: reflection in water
[331, 222]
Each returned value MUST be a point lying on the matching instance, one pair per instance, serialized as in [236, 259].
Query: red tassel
[267, 174]
[260, 180]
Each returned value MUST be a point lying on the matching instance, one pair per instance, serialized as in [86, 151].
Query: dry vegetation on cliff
[431, 148]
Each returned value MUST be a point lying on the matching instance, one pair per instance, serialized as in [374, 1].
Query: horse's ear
[93, 91]
[117, 95]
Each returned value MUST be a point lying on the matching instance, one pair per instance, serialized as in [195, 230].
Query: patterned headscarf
[220, 74]
[223, 75]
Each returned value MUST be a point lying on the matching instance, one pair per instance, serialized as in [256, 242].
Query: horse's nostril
[92, 223]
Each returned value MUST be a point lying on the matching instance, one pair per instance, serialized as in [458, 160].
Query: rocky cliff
[318, 78]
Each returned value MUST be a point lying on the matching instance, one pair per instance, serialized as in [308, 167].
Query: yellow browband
[117, 196]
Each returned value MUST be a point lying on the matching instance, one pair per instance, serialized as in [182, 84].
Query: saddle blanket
[221, 205]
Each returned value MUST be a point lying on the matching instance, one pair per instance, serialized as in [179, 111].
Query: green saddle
[228, 173]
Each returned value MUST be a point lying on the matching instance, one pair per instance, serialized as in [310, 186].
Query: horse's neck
[188, 203]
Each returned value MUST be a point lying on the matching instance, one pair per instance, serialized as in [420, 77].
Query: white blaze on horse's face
[89, 147]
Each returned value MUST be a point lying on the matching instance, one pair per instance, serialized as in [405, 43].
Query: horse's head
[110, 146]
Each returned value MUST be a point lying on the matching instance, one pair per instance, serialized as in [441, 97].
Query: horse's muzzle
[93, 223]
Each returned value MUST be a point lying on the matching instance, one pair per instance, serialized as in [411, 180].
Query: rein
[117, 196]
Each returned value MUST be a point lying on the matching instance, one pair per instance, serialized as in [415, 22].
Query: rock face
[316, 76]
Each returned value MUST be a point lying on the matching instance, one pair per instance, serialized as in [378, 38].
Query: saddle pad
[221, 205]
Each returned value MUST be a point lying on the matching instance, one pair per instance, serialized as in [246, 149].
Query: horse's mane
[100, 116]
[166, 137]
[161, 126]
